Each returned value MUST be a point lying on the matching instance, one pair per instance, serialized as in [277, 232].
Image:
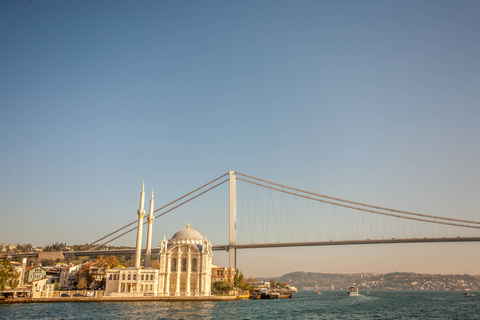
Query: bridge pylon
[232, 245]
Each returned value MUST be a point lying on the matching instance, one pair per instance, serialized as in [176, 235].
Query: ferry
[468, 294]
[353, 291]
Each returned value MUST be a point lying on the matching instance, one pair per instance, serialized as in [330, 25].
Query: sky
[371, 101]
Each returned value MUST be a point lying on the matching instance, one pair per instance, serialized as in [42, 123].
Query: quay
[115, 299]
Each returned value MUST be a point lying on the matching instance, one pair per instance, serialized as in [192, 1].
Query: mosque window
[129, 276]
[194, 264]
[123, 276]
[134, 276]
[110, 277]
[151, 277]
[174, 264]
[142, 277]
[184, 264]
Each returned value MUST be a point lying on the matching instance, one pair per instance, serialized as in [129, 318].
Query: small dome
[188, 233]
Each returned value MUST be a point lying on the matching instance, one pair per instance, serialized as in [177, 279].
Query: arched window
[151, 277]
[134, 276]
[174, 264]
[194, 264]
[184, 264]
[123, 276]
[142, 276]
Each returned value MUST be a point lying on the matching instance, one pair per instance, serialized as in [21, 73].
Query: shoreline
[114, 299]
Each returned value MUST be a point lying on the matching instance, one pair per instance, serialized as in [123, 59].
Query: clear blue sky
[372, 101]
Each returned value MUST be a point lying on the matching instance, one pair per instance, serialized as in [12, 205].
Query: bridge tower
[232, 245]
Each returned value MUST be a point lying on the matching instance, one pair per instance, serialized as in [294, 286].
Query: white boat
[353, 291]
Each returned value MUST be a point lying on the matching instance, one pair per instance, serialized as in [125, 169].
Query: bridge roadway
[72, 254]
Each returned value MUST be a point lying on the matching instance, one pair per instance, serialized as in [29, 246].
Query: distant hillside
[378, 281]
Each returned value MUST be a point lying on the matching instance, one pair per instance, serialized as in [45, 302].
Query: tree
[112, 262]
[241, 282]
[81, 285]
[8, 275]
[221, 287]
[273, 284]
[238, 278]
[85, 275]
[57, 285]
[102, 283]
[107, 263]
[47, 262]
[102, 262]
[154, 264]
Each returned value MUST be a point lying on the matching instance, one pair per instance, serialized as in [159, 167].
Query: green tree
[8, 275]
[238, 278]
[57, 285]
[221, 287]
[241, 282]
[47, 262]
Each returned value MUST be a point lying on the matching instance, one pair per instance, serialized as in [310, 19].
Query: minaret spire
[141, 213]
[150, 219]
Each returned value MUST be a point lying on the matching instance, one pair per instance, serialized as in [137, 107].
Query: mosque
[185, 268]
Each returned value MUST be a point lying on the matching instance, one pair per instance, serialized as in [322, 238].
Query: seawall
[114, 299]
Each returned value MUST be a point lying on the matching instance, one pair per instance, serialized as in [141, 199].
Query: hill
[378, 281]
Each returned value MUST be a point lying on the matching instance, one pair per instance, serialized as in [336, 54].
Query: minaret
[149, 234]
[141, 213]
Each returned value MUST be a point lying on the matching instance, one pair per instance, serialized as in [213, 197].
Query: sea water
[303, 305]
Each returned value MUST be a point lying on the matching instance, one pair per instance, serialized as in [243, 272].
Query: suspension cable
[161, 214]
[108, 235]
[358, 203]
[357, 208]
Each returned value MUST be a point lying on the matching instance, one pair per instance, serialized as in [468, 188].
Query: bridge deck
[268, 245]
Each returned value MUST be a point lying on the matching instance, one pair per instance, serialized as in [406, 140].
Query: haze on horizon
[372, 101]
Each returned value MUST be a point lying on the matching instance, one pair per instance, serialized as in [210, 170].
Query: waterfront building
[223, 274]
[35, 273]
[131, 282]
[53, 274]
[185, 265]
[20, 270]
[260, 284]
[68, 276]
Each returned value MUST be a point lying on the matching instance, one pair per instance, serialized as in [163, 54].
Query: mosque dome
[188, 233]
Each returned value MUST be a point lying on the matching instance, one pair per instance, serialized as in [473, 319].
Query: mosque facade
[185, 266]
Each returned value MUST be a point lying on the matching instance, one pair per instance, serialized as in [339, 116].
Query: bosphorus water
[303, 305]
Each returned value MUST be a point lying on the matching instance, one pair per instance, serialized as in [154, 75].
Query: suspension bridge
[274, 216]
